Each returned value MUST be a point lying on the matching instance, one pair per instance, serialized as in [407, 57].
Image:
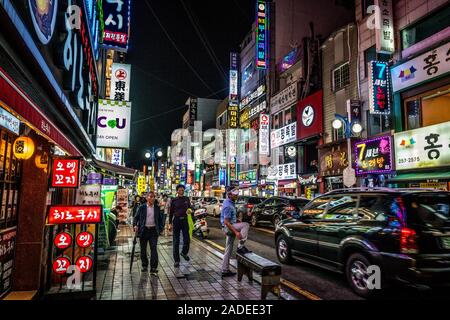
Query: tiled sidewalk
[198, 279]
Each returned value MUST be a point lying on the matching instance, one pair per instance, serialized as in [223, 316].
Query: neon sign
[379, 88]
[262, 14]
[374, 156]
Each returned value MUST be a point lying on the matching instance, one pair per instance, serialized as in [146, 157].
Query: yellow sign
[141, 185]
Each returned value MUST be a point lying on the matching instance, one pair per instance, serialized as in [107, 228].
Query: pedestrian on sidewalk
[163, 206]
[148, 225]
[178, 222]
[232, 229]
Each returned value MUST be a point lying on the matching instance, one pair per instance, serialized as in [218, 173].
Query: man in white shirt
[148, 225]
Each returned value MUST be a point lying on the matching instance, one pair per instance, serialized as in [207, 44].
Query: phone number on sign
[408, 160]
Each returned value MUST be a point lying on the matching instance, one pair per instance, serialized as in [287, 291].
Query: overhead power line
[159, 114]
[175, 46]
[204, 40]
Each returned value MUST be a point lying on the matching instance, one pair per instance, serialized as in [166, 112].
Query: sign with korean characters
[379, 88]
[122, 201]
[234, 79]
[385, 41]
[89, 195]
[283, 136]
[7, 247]
[333, 160]
[248, 178]
[86, 214]
[425, 67]
[374, 156]
[264, 133]
[427, 147]
[262, 34]
[113, 124]
[286, 171]
[116, 14]
[284, 98]
[120, 82]
[233, 112]
[117, 157]
[65, 172]
[141, 187]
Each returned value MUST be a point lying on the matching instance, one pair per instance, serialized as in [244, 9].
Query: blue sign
[262, 35]
[116, 14]
[44, 15]
[93, 24]
[379, 88]
[223, 177]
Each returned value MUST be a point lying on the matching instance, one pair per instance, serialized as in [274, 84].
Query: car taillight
[249, 206]
[408, 241]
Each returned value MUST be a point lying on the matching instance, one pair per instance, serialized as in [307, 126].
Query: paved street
[310, 282]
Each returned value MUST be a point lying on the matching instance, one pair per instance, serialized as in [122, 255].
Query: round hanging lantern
[23, 148]
[41, 160]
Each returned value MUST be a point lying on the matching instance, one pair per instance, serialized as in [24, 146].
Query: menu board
[7, 246]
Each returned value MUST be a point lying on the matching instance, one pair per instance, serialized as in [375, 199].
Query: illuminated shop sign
[234, 79]
[61, 214]
[286, 171]
[65, 173]
[374, 156]
[120, 82]
[253, 96]
[248, 178]
[116, 15]
[262, 34]
[257, 109]
[379, 88]
[113, 124]
[427, 147]
[264, 134]
[283, 136]
[44, 15]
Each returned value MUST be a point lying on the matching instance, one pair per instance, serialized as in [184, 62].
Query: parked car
[244, 206]
[214, 207]
[275, 209]
[404, 232]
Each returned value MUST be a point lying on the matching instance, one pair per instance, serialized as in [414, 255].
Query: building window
[9, 182]
[365, 4]
[377, 124]
[427, 109]
[287, 117]
[427, 27]
[341, 77]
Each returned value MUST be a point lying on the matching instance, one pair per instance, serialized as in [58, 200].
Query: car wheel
[254, 221]
[358, 275]
[283, 250]
[276, 220]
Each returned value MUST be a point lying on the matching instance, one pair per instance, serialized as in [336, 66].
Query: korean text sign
[374, 156]
[86, 214]
[262, 34]
[116, 15]
[427, 147]
[65, 173]
[7, 246]
[379, 88]
[120, 82]
[113, 124]
[286, 171]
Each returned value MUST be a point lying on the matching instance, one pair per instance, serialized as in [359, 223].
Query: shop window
[425, 28]
[429, 108]
[365, 4]
[341, 77]
[294, 113]
[287, 117]
[9, 182]
[377, 124]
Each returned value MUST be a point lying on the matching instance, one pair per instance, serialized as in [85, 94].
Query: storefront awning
[420, 176]
[115, 170]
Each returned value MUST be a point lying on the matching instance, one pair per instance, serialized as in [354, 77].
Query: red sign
[63, 240]
[85, 239]
[74, 214]
[84, 264]
[310, 116]
[65, 172]
[61, 265]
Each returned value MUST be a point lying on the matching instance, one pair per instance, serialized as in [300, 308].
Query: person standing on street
[179, 223]
[148, 225]
[163, 205]
[232, 229]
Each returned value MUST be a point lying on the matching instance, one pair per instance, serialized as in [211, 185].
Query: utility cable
[175, 46]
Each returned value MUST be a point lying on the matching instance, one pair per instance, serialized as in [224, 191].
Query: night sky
[161, 79]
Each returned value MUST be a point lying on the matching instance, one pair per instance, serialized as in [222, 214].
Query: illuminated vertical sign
[120, 82]
[262, 35]
[233, 101]
[116, 14]
[379, 88]
[264, 133]
[385, 34]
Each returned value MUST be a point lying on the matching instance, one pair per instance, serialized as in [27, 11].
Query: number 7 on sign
[382, 67]
[361, 154]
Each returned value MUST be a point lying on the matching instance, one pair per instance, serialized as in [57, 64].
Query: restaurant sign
[333, 161]
[374, 156]
[426, 147]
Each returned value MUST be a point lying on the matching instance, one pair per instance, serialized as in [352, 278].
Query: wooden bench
[270, 272]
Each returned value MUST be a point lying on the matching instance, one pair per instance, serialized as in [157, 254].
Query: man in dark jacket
[178, 219]
[148, 225]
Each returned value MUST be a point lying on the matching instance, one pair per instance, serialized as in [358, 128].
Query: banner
[385, 41]
[116, 14]
[286, 171]
[113, 124]
[120, 82]
[283, 136]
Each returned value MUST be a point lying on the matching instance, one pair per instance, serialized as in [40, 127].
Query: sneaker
[243, 250]
[176, 264]
[154, 271]
[144, 269]
[185, 257]
[228, 274]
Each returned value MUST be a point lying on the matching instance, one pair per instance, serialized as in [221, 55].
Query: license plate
[445, 242]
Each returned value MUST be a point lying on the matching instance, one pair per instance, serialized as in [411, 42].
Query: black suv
[403, 232]
[275, 209]
[244, 206]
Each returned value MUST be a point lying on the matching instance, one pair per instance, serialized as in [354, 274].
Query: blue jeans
[180, 225]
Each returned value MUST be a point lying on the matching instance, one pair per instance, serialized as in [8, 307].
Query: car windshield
[255, 200]
[430, 209]
[298, 202]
